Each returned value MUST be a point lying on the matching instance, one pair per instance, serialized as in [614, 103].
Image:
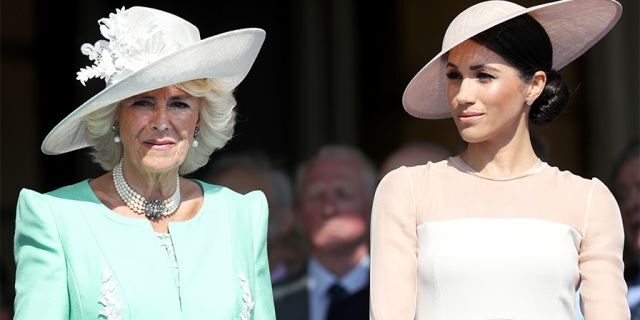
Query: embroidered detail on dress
[247, 300]
[111, 304]
[167, 244]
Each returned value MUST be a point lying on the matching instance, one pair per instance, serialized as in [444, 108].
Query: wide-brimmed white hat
[572, 25]
[147, 49]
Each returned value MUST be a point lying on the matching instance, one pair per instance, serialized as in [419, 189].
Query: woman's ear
[536, 86]
[200, 111]
[116, 114]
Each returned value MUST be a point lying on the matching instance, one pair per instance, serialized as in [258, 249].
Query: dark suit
[355, 307]
[292, 302]
[291, 298]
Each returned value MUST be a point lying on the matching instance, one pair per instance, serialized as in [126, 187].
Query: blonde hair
[217, 120]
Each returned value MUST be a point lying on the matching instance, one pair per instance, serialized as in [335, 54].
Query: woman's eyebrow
[483, 66]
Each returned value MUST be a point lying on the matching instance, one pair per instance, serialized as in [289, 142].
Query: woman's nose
[159, 120]
[465, 93]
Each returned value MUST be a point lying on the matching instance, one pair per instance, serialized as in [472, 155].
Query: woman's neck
[151, 185]
[501, 157]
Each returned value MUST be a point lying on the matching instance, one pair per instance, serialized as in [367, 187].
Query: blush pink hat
[572, 25]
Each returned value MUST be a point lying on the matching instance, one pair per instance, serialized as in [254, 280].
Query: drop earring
[115, 128]
[195, 142]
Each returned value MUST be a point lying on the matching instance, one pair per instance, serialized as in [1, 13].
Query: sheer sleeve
[41, 277]
[602, 290]
[394, 249]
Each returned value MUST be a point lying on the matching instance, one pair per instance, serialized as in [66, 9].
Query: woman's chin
[471, 137]
[154, 164]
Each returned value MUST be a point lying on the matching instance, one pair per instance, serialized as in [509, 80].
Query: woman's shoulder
[214, 191]
[413, 171]
[576, 187]
[219, 190]
[36, 206]
[74, 191]
[414, 174]
[250, 209]
[569, 179]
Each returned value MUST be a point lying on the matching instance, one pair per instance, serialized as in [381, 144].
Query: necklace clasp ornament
[152, 209]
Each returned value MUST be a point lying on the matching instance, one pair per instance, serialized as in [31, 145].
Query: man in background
[335, 192]
[248, 171]
[412, 154]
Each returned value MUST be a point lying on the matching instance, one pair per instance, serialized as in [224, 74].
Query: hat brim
[227, 57]
[573, 27]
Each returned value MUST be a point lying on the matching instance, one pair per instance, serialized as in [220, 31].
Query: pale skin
[156, 132]
[334, 208]
[488, 102]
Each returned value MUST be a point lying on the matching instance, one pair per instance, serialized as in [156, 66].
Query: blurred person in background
[334, 194]
[244, 172]
[626, 188]
[412, 154]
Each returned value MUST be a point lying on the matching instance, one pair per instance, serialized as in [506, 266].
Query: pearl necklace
[152, 209]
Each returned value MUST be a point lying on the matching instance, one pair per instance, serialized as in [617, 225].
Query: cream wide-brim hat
[573, 26]
[164, 50]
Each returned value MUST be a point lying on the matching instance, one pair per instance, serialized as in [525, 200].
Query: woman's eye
[485, 76]
[180, 105]
[452, 75]
[142, 103]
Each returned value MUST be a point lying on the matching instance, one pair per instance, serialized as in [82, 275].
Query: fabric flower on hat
[123, 53]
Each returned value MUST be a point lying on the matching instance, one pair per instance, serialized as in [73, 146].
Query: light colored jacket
[77, 259]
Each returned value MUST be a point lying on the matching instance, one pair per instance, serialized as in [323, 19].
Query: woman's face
[156, 128]
[486, 94]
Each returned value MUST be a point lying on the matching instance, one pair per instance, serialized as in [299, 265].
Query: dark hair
[524, 43]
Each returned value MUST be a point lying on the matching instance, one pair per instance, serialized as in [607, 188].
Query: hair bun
[552, 100]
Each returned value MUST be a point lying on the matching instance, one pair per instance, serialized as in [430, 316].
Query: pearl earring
[115, 128]
[529, 102]
[195, 142]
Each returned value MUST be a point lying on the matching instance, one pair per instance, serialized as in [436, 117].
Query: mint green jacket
[76, 259]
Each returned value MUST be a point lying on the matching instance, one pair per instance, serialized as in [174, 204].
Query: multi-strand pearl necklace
[152, 209]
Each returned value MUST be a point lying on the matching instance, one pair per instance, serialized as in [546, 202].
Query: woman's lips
[159, 144]
[468, 117]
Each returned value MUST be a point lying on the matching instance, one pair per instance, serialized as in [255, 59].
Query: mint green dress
[76, 259]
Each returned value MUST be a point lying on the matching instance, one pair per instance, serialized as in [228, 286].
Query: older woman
[141, 242]
[495, 232]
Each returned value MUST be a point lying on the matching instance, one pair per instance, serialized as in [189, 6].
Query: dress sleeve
[263, 309]
[394, 249]
[602, 289]
[41, 277]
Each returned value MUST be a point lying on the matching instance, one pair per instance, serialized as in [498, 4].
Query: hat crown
[477, 17]
[135, 38]
[172, 28]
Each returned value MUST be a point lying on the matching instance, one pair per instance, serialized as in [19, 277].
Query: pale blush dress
[451, 244]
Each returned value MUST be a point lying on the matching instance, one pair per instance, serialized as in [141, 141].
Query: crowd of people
[494, 231]
[319, 228]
